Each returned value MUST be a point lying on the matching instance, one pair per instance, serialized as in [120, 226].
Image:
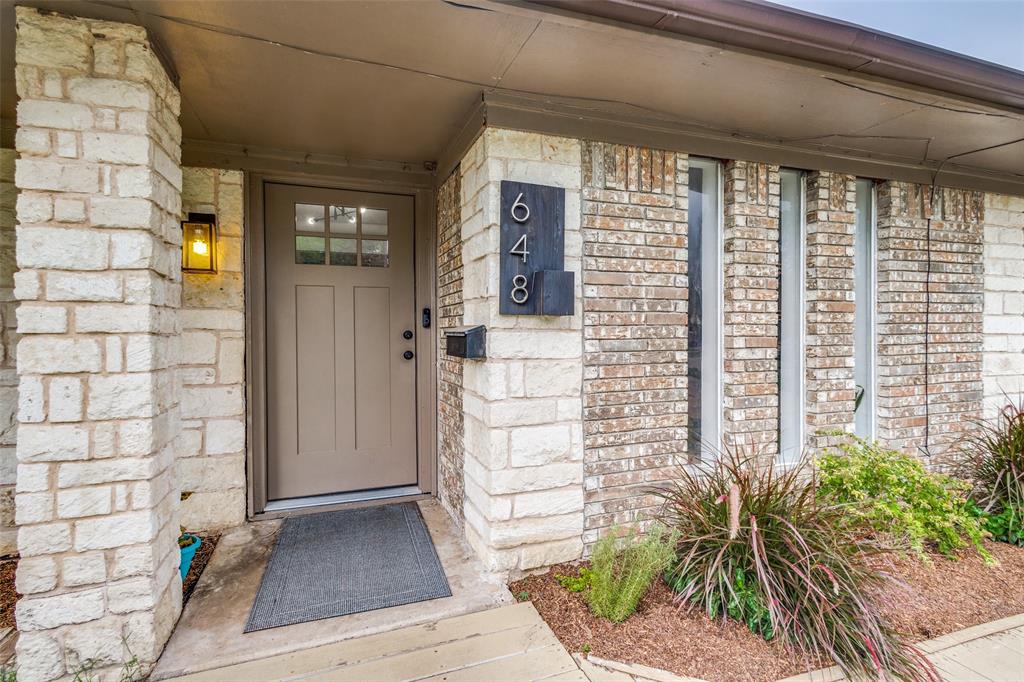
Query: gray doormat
[336, 563]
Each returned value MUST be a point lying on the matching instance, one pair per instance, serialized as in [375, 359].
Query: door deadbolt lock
[407, 334]
[407, 355]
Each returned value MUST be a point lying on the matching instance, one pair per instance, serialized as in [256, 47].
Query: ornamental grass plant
[990, 455]
[758, 543]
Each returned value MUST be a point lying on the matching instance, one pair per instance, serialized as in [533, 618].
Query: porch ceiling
[396, 81]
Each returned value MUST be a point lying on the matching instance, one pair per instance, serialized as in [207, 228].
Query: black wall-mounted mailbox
[466, 342]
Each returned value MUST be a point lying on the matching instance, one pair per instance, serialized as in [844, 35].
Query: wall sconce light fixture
[199, 243]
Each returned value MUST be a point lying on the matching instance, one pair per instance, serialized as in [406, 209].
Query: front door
[341, 393]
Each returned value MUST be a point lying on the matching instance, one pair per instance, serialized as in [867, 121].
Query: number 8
[519, 293]
[520, 205]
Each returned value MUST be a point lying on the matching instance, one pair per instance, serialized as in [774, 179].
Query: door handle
[407, 355]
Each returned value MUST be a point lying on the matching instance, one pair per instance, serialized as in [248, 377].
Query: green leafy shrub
[1004, 526]
[621, 571]
[756, 540]
[899, 498]
[991, 456]
[576, 583]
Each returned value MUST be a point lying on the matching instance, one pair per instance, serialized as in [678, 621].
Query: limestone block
[51, 538]
[100, 644]
[221, 401]
[122, 396]
[115, 148]
[71, 286]
[110, 92]
[508, 534]
[31, 407]
[33, 207]
[32, 141]
[74, 474]
[49, 355]
[117, 530]
[69, 210]
[39, 656]
[44, 613]
[135, 560]
[26, 285]
[52, 443]
[38, 319]
[224, 436]
[231, 360]
[36, 44]
[80, 502]
[198, 348]
[214, 510]
[123, 212]
[536, 445]
[549, 502]
[549, 553]
[36, 574]
[132, 594]
[33, 508]
[62, 248]
[56, 176]
[51, 114]
[33, 478]
[84, 569]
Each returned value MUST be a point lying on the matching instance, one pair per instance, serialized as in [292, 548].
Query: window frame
[865, 339]
[712, 317]
[792, 421]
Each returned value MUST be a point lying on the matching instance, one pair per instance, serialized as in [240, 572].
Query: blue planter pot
[188, 554]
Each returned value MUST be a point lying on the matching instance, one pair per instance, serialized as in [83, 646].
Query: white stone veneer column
[1004, 299]
[523, 412]
[100, 282]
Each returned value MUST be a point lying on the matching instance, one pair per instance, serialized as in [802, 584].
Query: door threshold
[296, 503]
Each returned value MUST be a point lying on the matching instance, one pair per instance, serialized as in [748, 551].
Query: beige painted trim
[255, 309]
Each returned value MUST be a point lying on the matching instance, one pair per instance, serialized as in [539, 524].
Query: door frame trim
[424, 247]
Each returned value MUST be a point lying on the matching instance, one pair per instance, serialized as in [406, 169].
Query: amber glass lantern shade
[198, 247]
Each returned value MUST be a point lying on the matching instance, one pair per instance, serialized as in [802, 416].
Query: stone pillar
[523, 466]
[1004, 300]
[635, 329]
[946, 303]
[831, 390]
[750, 245]
[98, 250]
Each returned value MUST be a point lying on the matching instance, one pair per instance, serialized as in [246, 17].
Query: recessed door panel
[341, 391]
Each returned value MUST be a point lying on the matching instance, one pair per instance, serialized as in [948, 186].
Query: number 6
[520, 205]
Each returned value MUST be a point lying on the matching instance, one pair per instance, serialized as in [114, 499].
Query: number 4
[520, 249]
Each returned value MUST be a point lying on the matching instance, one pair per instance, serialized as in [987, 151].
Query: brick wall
[946, 305]
[750, 263]
[211, 464]
[8, 365]
[634, 302]
[830, 388]
[450, 432]
[1004, 298]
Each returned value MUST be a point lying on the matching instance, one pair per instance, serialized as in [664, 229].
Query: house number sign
[533, 280]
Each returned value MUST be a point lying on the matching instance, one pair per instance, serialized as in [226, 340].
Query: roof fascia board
[557, 14]
[521, 113]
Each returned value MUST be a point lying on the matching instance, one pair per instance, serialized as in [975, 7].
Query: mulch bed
[925, 600]
[8, 595]
[199, 562]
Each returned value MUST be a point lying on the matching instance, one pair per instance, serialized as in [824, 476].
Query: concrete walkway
[513, 643]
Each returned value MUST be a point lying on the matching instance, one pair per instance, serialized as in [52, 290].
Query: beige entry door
[341, 370]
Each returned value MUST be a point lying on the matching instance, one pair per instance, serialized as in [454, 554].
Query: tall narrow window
[864, 315]
[791, 318]
[704, 330]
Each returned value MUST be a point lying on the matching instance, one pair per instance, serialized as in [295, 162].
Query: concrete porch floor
[210, 634]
